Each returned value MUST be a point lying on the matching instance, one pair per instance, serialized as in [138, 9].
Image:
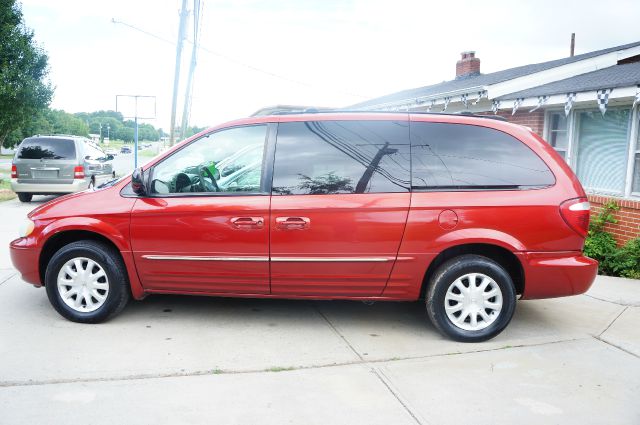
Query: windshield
[47, 148]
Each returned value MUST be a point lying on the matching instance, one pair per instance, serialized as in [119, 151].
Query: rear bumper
[25, 259]
[46, 188]
[556, 274]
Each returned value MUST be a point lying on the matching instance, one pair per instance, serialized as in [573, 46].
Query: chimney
[572, 49]
[468, 65]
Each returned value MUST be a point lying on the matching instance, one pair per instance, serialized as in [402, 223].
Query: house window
[558, 133]
[602, 149]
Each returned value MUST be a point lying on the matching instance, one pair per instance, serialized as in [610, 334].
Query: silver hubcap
[473, 301]
[83, 284]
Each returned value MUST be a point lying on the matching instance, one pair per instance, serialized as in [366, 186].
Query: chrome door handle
[247, 222]
[293, 223]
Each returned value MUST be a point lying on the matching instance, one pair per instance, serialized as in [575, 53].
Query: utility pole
[184, 13]
[189, 90]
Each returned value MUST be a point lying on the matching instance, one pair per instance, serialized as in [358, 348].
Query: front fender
[115, 232]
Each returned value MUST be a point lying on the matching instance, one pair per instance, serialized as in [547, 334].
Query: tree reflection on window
[325, 184]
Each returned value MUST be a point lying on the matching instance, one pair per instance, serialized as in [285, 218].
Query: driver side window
[224, 161]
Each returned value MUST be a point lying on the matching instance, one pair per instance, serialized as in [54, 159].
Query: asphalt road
[172, 359]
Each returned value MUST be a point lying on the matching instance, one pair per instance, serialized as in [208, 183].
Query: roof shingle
[485, 79]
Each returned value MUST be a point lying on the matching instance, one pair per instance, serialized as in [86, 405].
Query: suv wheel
[86, 282]
[471, 298]
[25, 197]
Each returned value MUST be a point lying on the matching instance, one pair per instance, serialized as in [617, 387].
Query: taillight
[576, 213]
[14, 172]
[78, 172]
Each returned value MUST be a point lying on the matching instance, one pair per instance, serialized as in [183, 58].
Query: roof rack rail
[362, 111]
[58, 135]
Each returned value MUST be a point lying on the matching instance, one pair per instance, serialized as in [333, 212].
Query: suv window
[459, 156]
[225, 161]
[328, 157]
[47, 148]
[93, 152]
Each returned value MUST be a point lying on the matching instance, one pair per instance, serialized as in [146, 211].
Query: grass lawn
[5, 187]
[150, 153]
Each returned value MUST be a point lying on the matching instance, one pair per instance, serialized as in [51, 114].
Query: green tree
[66, 123]
[24, 89]
[124, 133]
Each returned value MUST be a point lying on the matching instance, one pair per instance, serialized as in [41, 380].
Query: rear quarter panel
[517, 220]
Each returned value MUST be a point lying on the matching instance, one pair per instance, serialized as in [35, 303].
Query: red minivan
[465, 212]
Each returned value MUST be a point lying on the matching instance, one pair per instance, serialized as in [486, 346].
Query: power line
[243, 64]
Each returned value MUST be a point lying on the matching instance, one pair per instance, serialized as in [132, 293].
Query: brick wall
[628, 225]
[533, 120]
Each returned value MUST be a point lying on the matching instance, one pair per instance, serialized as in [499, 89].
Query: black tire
[118, 282]
[25, 197]
[446, 275]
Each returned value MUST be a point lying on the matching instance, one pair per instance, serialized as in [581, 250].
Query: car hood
[90, 202]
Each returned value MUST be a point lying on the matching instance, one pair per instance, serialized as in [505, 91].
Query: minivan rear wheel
[25, 197]
[471, 298]
[86, 282]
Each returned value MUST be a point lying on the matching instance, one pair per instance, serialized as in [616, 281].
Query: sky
[302, 52]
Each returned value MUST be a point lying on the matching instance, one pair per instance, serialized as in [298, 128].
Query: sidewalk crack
[609, 301]
[9, 277]
[337, 332]
[387, 383]
[612, 322]
[617, 346]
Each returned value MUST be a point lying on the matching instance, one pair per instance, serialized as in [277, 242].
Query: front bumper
[24, 257]
[556, 274]
[47, 188]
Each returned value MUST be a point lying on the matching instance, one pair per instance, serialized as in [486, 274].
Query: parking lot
[179, 359]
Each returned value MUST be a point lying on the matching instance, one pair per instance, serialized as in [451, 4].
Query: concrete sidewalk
[171, 359]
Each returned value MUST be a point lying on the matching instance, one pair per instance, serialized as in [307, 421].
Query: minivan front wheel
[471, 298]
[25, 197]
[86, 282]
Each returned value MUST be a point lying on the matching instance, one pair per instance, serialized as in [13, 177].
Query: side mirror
[137, 182]
[109, 157]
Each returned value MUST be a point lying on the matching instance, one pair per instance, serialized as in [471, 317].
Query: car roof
[343, 115]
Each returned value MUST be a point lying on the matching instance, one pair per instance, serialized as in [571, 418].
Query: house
[586, 106]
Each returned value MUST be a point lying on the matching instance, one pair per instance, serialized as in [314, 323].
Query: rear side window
[331, 157]
[467, 157]
[47, 148]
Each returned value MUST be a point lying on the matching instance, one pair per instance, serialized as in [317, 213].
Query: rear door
[46, 160]
[339, 205]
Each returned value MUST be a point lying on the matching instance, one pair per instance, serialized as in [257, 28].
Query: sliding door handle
[293, 223]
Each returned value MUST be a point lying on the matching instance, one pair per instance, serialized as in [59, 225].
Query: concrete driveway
[172, 360]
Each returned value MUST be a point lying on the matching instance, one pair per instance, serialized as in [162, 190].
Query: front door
[339, 205]
[205, 227]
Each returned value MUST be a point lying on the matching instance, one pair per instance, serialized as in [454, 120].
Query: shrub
[601, 245]
[627, 260]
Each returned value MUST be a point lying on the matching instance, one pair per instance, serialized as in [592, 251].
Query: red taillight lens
[14, 172]
[576, 213]
[78, 172]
